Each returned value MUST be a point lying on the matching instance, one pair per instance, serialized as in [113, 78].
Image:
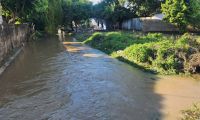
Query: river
[50, 82]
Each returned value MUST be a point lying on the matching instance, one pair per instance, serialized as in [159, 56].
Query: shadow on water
[28, 67]
[80, 83]
[29, 85]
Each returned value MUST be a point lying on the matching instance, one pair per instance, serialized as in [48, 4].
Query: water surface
[76, 82]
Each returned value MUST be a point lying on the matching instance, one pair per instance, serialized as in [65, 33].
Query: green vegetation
[77, 13]
[47, 15]
[114, 12]
[81, 36]
[192, 113]
[175, 12]
[154, 51]
[182, 13]
[194, 14]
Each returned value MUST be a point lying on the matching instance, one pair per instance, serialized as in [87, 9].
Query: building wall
[154, 25]
[132, 24]
[148, 24]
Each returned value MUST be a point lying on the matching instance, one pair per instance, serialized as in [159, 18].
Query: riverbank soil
[47, 81]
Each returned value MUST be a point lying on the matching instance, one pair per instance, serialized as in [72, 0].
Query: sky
[95, 1]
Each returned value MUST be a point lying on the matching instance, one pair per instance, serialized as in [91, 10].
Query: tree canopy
[46, 14]
[116, 11]
[49, 14]
[182, 12]
[77, 11]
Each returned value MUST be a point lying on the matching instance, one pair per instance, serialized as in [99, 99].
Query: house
[149, 24]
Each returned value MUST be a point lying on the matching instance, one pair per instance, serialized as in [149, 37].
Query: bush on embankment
[154, 51]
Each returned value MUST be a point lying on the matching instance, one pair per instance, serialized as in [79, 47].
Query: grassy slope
[156, 52]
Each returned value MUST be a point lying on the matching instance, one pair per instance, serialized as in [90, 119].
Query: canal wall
[12, 38]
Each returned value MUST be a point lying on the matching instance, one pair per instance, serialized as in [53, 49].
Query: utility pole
[1, 19]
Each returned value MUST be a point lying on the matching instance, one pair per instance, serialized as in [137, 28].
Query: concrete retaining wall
[12, 37]
[148, 25]
[151, 25]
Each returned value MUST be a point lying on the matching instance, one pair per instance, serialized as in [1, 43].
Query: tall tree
[77, 12]
[17, 9]
[114, 12]
[54, 15]
[182, 13]
[193, 14]
[46, 14]
[144, 8]
[39, 14]
[175, 12]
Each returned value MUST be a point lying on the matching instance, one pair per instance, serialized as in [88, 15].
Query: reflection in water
[46, 82]
[93, 55]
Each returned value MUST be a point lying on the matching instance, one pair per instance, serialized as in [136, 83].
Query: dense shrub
[153, 51]
[139, 52]
[94, 38]
[110, 41]
[157, 55]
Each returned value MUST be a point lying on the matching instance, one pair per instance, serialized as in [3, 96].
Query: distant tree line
[114, 12]
[182, 13]
[49, 14]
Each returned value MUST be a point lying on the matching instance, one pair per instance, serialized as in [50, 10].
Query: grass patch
[192, 113]
[81, 36]
[153, 51]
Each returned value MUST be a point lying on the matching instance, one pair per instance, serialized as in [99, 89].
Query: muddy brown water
[50, 82]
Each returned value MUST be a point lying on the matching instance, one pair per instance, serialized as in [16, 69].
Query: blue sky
[95, 1]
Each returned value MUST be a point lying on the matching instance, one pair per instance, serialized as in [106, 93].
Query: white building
[98, 24]
[149, 24]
